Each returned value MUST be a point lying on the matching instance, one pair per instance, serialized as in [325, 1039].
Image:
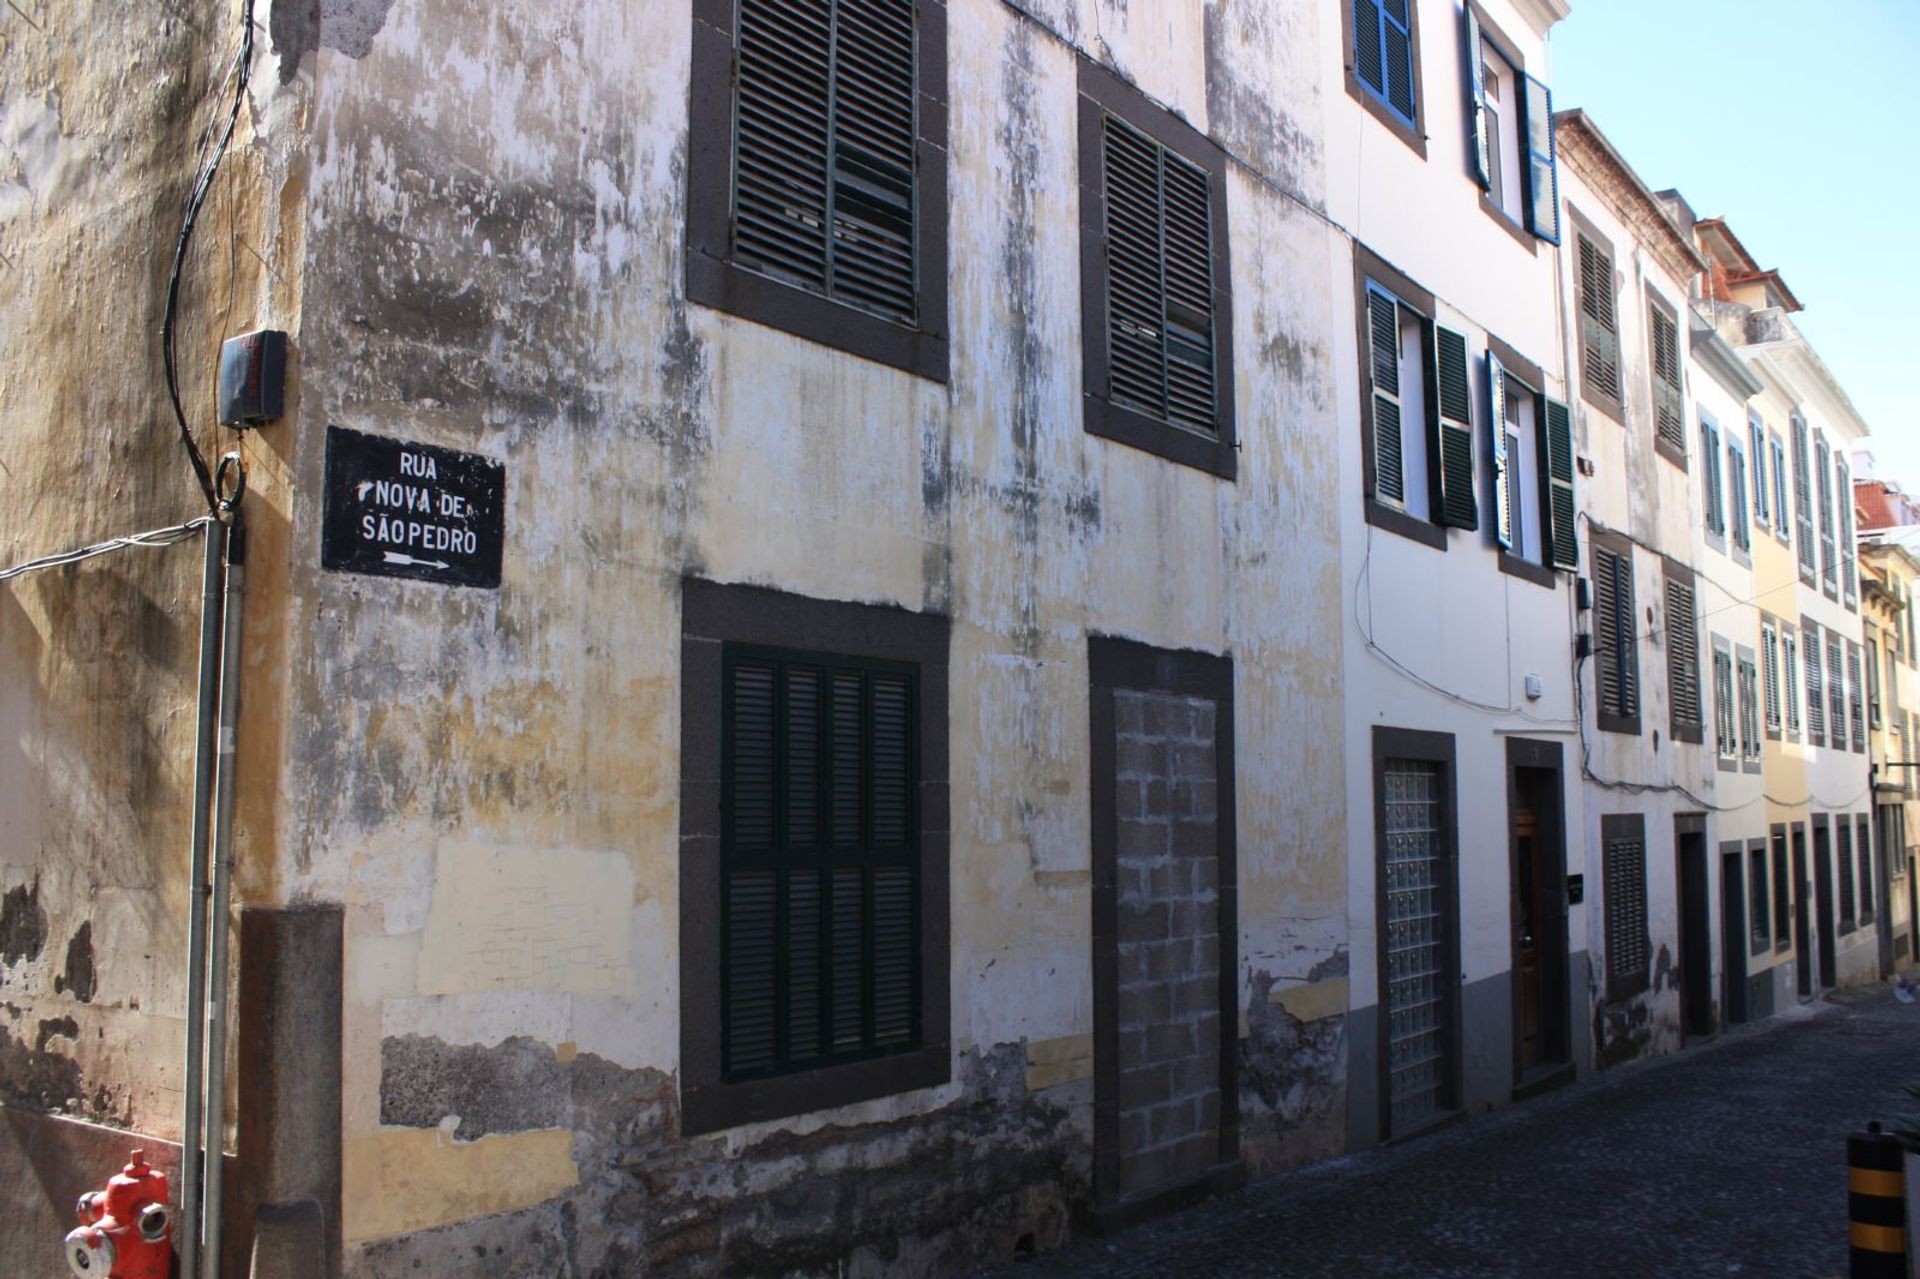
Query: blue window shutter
[1543, 177]
[1396, 42]
[1367, 62]
[1477, 104]
[1502, 486]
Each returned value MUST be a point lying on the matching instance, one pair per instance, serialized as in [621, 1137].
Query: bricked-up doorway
[1165, 927]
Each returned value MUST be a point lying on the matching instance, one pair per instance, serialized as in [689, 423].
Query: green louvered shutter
[1683, 661]
[1543, 172]
[1497, 445]
[825, 149]
[1563, 548]
[1599, 329]
[1669, 416]
[1159, 246]
[820, 861]
[1452, 417]
[1383, 340]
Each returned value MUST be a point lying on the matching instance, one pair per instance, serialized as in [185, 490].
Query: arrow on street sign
[395, 557]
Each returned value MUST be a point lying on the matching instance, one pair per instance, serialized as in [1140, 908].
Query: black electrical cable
[202, 185]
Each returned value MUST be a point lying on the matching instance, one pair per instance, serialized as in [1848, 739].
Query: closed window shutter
[1367, 62]
[1757, 450]
[1777, 454]
[1843, 861]
[1823, 475]
[1626, 886]
[1543, 173]
[1770, 675]
[1159, 248]
[825, 149]
[1383, 337]
[1397, 54]
[1599, 336]
[752, 1003]
[1618, 674]
[1563, 548]
[1668, 413]
[1855, 718]
[1723, 704]
[1737, 498]
[1790, 676]
[1624, 629]
[1497, 439]
[1843, 496]
[1836, 695]
[1816, 687]
[820, 952]
[1477, 102]
[1749, 710]
[1453, 432]
[1683, 660]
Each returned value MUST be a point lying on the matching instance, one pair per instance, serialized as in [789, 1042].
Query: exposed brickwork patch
[1167, 798]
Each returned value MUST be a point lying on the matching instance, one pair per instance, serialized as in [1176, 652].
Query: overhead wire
[203, 183]
[168, 536]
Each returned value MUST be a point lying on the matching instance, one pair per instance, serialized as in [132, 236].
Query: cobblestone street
[1727, 1160]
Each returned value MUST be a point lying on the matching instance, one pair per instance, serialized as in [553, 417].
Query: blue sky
[1792, 121]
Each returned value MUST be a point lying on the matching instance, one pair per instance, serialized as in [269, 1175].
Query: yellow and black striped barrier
[1876, 1206]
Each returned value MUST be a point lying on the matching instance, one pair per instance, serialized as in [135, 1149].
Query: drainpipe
[191, 1119]
[222, 889]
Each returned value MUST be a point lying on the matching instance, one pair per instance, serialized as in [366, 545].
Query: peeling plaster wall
[101, 120]
[494, 263]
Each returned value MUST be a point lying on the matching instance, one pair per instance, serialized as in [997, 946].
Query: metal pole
[222, 890]
[191, 1118]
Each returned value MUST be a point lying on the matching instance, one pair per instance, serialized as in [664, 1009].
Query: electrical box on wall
[253, 377]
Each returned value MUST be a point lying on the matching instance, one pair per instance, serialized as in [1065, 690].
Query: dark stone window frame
[1101, 93]
[1414, 135]
[1760, 896]
[713, 615]
[1369, 266]
[1585, 229]
[714, 280]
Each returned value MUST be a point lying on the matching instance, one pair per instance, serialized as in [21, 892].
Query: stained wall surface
[496, 212]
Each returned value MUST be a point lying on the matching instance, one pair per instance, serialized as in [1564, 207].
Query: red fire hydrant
[125, 1229]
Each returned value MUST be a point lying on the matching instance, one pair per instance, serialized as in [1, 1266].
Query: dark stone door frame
[1114, 664]
[1556, 1003]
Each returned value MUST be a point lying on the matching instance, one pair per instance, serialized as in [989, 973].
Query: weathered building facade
[1888, 574]
[881, 814]
[1027, 648]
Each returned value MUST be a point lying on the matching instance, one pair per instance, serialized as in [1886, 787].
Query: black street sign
[395, 509]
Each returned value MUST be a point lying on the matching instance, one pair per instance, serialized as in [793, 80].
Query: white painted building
[1455, 582]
